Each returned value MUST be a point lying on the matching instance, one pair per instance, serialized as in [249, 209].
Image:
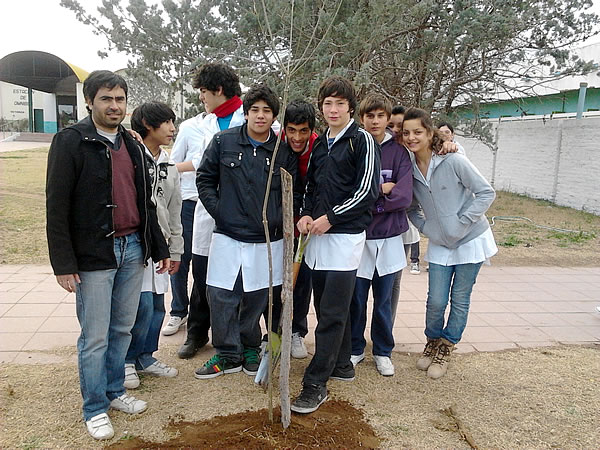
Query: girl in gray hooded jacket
[450, 198]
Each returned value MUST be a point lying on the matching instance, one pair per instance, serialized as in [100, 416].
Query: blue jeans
[107, 303]
[146, 330]
[454, 283]
[179, 281]
[382, 321]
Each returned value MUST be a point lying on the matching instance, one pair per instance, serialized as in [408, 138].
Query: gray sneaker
[159, 369]
[129, 404]
[298, 348]
[309, 400]
[173, 325]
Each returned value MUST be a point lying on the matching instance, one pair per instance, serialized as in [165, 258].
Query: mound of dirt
[336, 424]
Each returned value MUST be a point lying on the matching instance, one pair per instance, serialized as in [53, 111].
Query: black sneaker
[191, 347]
[309, 400]
[217, 366]
[343, 373]
[251, 360]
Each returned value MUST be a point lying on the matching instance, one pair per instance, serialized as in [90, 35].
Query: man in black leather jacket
[101, 228]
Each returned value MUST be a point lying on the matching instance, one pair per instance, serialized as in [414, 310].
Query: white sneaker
[298, 348]
[414, 268]
[129, 404]
[132, 380]
[598, 308]
[100, 427]
[384, 365]
[159, 369]
[173, 325]
[355, 359]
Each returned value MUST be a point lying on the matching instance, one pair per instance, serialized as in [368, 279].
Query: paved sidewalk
[14, 146]
[511, 307]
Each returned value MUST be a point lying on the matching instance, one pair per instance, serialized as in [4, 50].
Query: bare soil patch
[337, 424]
[530, 398]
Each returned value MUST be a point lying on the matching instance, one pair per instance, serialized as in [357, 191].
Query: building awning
[41, 71]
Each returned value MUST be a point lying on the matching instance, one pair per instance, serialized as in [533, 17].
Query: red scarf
[228, 107]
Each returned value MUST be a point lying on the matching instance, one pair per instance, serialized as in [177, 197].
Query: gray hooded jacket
[450, 211]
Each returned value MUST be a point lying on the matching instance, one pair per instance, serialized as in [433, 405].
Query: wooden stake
[287, 296]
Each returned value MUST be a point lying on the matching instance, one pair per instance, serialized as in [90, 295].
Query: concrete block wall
[556, 160]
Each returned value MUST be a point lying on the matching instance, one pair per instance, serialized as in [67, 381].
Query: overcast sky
[46, 26]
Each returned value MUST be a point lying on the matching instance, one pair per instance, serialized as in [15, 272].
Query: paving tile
[20, 324]
[4, 307]
[47, 341]
[482, 334]
[522, 307]
[568, 334]
[493, 346]
[503, 319]
[10, 268]
[60, 324]
[30, 310]
[410, 307]
[524, 334]
[476, 320]
[463, 347]
[413, 319]
[65, 310]
[404, 336]
[17, 287]
[409, 348]
[544, 319]
[593, 331]
[10, 297]
[488, 306]
[419, 332]
[43, 297]
[11, 342]
[582, 319]
[560, 307]
[7, 357]
[505, 296]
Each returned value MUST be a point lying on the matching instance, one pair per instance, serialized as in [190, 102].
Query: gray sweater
[451, 210]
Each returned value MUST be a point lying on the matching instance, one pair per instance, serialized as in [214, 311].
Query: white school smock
[227, 256]
[385, 255]
[189, 141]
[335, 251]
[154, 282]
[204, 224]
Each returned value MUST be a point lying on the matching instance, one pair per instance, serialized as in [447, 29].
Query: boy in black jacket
[342, 185]
[232, 181]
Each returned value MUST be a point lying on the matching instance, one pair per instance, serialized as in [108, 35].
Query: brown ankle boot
[429, 352]
[439, 365]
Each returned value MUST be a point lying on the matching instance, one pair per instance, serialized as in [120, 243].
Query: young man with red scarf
[220, 92]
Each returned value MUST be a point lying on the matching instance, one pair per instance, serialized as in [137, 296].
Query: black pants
[333, 341]
[235, 318]
[302, 293]
[199, 317]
